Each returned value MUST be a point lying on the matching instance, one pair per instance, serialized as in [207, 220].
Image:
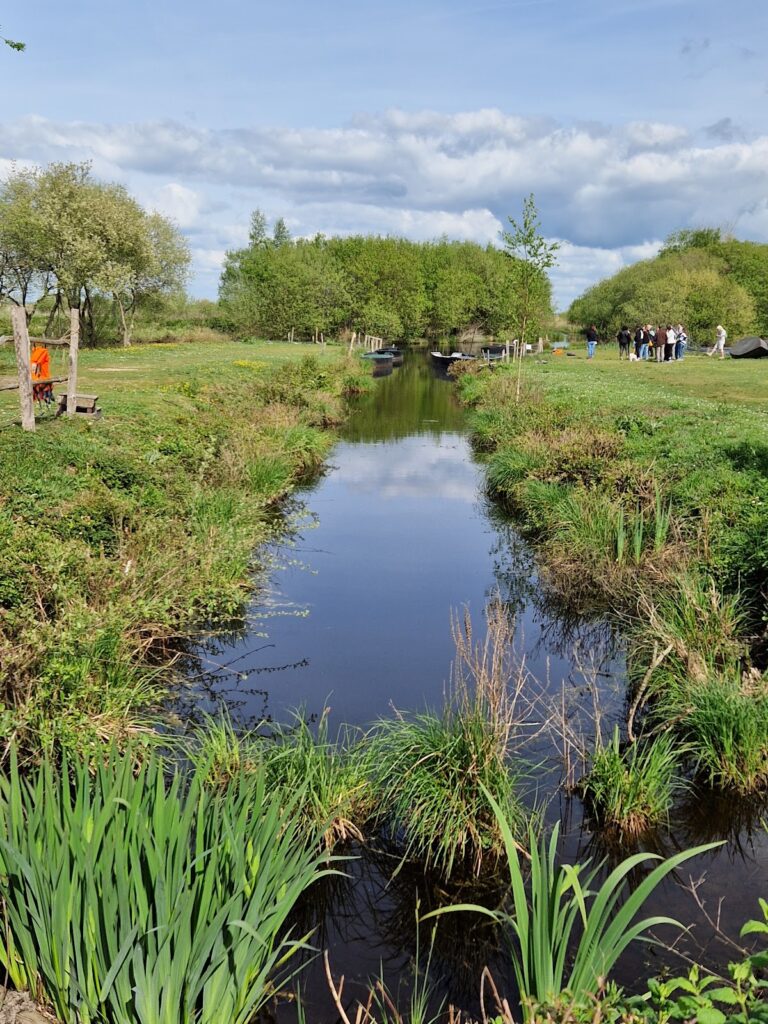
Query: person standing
[661, 343]
[669, 353]
[682, 341]
[720, 336]
[591, 333]
[639, 339]
[624, 339]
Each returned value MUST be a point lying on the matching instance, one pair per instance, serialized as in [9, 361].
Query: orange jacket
[41, 363]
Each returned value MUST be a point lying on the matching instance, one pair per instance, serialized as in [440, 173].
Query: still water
[353, 613]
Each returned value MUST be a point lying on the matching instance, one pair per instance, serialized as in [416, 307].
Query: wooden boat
[441, 359]
[398, 356]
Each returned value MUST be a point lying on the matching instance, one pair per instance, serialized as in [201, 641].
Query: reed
[136, 895]
[567, 931]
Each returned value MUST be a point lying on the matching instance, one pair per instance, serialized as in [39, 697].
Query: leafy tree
[14, 44]
[531, 257]
[690, 285]
[280, 233]
[64, 234]
[257, 235]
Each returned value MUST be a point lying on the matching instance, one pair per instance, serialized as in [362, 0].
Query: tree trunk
[124, 323]
[52, 315]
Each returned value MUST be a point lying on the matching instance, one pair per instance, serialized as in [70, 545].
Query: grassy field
[122, 535]
[646, 489]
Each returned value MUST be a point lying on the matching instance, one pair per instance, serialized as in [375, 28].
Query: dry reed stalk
[489, 678]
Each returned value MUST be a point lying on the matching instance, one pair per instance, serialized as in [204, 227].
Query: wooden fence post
[74, 343]
[23, 365]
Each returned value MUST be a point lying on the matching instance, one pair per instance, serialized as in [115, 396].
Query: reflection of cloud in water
[414, 467]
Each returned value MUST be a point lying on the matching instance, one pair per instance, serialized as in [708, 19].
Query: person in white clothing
[720, 335]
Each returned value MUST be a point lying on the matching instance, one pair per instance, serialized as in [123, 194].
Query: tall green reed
[132, 895]
[567, 930]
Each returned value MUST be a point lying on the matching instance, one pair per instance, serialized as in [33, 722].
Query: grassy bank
[646, 489]
[120, 537]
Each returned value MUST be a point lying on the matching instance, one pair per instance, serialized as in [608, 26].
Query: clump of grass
[331, 778]
[726, 724]
[432, 773]
[134, 895]
[629, 790]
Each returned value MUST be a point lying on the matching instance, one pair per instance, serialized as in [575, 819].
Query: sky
[627, 119]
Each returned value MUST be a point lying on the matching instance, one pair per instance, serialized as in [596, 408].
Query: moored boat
[398, 356]
[443, 359]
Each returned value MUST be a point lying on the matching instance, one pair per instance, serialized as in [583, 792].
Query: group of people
[664, 344]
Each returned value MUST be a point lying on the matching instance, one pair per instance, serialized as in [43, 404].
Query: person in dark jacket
[624, 339]
[639, 339]
[591, 333]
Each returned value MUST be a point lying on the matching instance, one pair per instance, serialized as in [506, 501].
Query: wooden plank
[23, 365]
[74, 344]
[49, 380]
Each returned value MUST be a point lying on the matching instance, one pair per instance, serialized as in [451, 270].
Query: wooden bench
[85, 405]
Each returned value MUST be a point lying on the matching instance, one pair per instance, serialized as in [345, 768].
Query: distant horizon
[628, 119]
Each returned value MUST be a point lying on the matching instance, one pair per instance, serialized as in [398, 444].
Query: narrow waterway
[354, 615]
[394, 536]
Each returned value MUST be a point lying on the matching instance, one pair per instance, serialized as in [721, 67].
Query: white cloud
[613, 191]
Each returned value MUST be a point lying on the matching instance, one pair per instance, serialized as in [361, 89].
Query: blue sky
[627, 118]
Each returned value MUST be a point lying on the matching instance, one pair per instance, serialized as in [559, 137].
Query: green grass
[726, 725]
[332, 776]
[432, 772]
[120, 536]
[137, 895]
[629, 789]
[645, 488]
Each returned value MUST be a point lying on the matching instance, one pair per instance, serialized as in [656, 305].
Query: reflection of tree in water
[412, 401]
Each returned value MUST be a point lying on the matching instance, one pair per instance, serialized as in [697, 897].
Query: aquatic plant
[136, 896]
[630, 788]
[326, 782]
[566, 931]
[432, 772]
[332, 777]
[725, 723]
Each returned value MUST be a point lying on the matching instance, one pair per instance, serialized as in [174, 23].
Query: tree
[14, 44]
[280, 233]
[257, 236]
[62, 233]
[694, 286]
[532, 257]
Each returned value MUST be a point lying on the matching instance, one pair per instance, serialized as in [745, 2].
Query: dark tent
[749, 348]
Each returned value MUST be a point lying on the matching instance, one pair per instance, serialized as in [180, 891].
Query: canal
[353, 612]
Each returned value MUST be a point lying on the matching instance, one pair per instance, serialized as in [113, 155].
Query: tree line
[69, 241]
[386, 286]
[700, 278]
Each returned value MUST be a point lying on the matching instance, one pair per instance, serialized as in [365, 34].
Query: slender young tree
[280, 233]
[533, 256]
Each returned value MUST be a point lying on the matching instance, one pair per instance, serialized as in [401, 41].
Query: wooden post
[74, 344]
[24, 367]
